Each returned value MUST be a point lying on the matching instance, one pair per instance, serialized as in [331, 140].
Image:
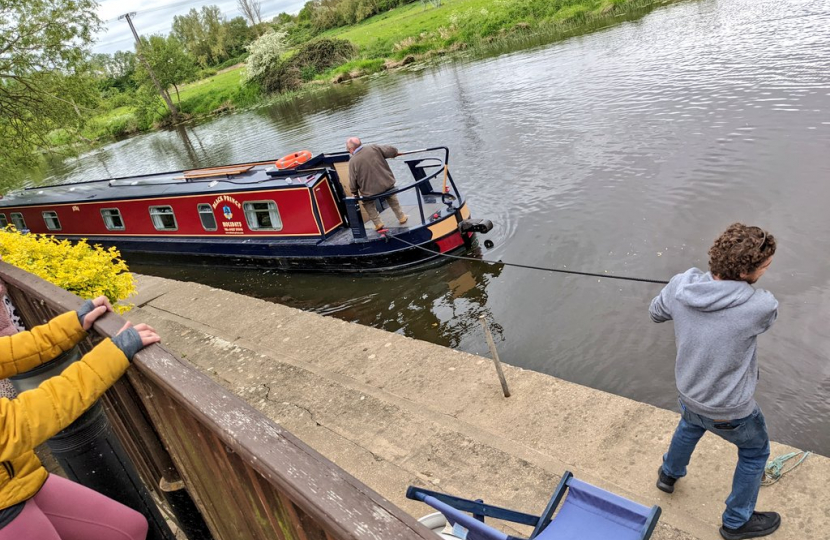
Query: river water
[627, 150]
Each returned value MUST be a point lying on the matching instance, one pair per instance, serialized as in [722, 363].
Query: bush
[88, 271]
[118, 126]
[60, 137]
[284, 78]
[112, 98]
[231, 62]
[204, 74]
[265, 54]
[324, 53]
[310, 60]
[246, 96]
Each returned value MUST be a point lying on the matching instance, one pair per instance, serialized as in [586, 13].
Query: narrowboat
[295, 217]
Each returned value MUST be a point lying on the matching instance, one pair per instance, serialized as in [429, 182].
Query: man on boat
[718, 316]
[369, 174]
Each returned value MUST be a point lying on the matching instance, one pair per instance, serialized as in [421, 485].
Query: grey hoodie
[716, 326]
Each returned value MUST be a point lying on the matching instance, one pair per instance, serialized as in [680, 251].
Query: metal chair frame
[480, 510]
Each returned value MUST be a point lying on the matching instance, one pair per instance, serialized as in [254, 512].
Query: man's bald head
[352, 143]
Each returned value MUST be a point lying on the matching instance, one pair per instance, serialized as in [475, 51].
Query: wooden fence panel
[249, 477]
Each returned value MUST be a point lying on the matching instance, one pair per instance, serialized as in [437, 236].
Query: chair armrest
[478, 509]
[651, 522]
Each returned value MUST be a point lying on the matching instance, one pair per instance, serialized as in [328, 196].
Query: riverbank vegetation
[209, 65]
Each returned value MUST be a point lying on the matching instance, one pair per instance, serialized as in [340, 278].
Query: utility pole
[162, 92]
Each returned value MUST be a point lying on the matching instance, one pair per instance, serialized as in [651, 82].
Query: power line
[292, 5]
[165, 7]
[194, 3]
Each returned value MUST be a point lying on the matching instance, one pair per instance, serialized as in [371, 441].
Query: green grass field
[216, 83]
[415, 28]
[224, 90]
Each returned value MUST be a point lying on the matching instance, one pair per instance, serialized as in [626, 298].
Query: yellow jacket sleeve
[36, 415]
[27, 350]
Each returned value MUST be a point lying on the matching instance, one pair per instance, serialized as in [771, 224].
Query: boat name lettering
[225, 198]
[232, 227]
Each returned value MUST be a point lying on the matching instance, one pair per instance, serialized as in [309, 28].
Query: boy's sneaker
[664, 481]
[759, 524]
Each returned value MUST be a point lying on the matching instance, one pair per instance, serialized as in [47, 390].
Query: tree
[116, 70]
[123, 65]
[45, 77]
[217, 31]
[283, 19]
[204, 33]
[252, 11]
[306, 13]
[168, 59]
[239, 36]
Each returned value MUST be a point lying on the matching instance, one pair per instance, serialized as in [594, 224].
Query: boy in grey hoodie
[718, 316]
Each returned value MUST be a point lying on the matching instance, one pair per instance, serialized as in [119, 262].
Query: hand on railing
[131, 339]
[91, 310]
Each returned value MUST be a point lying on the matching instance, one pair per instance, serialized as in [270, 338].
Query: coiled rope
[775, 467]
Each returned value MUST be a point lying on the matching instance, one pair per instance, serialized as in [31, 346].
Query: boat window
[112, 219]
[52, 221]
[163, 218]
[262, 216]
[207, 217]
[4, 221]
[18, 221]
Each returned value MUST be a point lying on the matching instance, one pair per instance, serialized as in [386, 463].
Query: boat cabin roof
[208, 180]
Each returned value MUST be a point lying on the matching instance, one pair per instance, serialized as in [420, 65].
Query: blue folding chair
[587, 513]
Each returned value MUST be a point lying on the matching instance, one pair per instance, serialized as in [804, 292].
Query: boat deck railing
[248, 476]
[449, 193]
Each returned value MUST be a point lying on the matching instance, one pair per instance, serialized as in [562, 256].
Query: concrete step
[394, 411]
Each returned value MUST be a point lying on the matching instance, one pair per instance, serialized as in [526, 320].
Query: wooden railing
[249, 477]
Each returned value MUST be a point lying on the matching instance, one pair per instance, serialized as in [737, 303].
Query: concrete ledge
[394, 411]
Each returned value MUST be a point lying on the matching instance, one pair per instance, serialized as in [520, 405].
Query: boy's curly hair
[741, 249]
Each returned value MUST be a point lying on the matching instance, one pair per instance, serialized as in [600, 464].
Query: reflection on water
[441, 305]
[627, 150]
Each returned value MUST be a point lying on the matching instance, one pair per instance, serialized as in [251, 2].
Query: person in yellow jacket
[36, 505]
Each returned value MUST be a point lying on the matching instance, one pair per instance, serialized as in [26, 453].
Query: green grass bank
[415, 32]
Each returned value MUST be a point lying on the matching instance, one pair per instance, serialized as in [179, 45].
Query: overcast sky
[156, 17]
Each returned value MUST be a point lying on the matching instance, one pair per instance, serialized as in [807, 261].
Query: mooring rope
[775, 467]
[526, 266]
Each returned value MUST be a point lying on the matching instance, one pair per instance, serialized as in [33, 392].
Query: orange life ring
[291, 161]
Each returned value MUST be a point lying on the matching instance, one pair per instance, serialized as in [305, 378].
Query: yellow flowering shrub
[88, 271]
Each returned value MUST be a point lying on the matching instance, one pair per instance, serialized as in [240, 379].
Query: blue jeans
[748, 434]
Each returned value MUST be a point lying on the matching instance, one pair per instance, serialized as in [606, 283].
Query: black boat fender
[475, 225]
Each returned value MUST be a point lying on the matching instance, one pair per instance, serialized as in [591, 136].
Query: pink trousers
[64, 510]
